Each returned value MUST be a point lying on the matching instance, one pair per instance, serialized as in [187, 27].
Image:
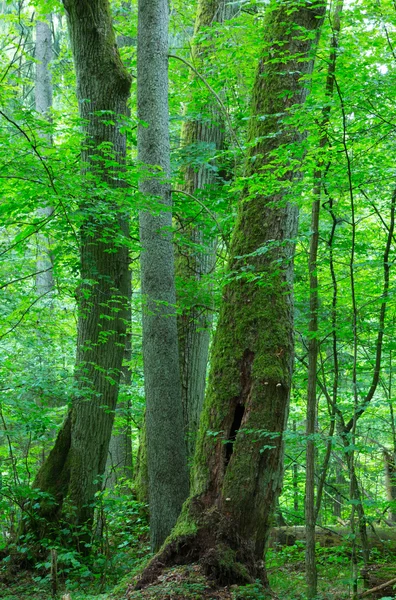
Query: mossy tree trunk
[238, 464]
[76, 463]
[196, 258]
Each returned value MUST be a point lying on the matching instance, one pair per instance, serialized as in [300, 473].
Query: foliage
[37, 335]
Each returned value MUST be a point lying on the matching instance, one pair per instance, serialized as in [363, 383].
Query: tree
[312, 510]
[237, 472]
[204, 129]
[78, 459]
[166, 450]
[43, 101]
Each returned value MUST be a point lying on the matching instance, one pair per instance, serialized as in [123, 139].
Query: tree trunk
[196, 260]
[77, 461]
[390, 481]
[295, 478]
[238, 465]
[43, 101]
[166, 450]
[311, 514]
[141, 476]
[119, 465]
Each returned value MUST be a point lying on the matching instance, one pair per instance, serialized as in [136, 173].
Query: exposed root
[224, 558]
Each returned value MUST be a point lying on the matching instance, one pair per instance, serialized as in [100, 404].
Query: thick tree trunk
[166, 450]
[77, 461]
[43, 101]
[192, 265]
[238, 465]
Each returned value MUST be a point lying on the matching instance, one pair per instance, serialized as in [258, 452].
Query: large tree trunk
[78, 458]
[238, 464]
[196, 259]
[166, 451]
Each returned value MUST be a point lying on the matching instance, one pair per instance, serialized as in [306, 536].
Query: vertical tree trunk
[340, 484]
[295, 478]
[77, 461]
[166, 450]
[238, 465]
[192, 265]
[390, 481]
[313, 343]
[119, 465]
[43, 101]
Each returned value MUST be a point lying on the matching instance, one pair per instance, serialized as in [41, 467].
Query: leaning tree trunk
[238, 465]
[78, 459]
[166, 452]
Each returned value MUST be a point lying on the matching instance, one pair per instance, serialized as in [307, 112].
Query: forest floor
[188, 583]
[285, 565]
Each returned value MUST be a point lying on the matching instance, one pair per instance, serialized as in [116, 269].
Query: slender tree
[43, 101]
[311, 511]
[166, 451]
[238, 465]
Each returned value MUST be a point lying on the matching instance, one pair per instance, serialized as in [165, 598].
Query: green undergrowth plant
[84, 560]
[253, 591]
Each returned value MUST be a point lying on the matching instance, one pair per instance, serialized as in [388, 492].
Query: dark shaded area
[236, 424]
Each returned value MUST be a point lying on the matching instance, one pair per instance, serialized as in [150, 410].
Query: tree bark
[119, 464]
[313, 344]
[390, 481]
[77, 461]
[238, 465]
[43, 101]
[166, 450]
[196, 260]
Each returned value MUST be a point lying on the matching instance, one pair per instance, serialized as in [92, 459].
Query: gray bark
[166, 451]
[43, 101]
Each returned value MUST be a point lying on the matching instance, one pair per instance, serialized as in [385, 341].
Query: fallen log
[378, 588]
[383, 538]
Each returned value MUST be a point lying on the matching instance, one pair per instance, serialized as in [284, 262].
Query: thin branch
[212, 215]
[212, 91]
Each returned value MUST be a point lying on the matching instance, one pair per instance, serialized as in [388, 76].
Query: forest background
[340, 440]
